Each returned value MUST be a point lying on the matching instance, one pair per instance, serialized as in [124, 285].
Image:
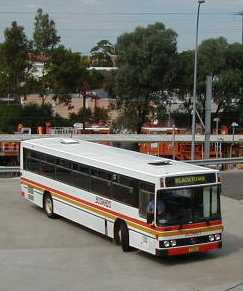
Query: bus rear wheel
[48, 205]
[121, 236]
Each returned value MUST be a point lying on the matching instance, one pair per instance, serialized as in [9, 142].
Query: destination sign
[190, 180]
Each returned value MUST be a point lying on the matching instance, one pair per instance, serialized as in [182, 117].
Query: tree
[212, 57]
[64, 74]
[45, 35]
[146, 60]
[102, 55]
[10, 116]
[15, 68]
[224, 62]
[45, 39]
[221, 60]
[83, 115]
[4, 79]
[33, 115]
[183, 81]
[100, 114]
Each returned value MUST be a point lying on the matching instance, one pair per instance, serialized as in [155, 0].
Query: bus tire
[48, 205]
[121, 236]
[125, 238]
[117, 231]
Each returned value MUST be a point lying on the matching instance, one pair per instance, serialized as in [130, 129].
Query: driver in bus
[160, 210]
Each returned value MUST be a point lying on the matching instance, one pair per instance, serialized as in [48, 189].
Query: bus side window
[125, 189]
[144, 198]
[146, 193]
[100, 182]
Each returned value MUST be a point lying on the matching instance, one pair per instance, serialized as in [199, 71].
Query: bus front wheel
[121, 236]
[48, 205]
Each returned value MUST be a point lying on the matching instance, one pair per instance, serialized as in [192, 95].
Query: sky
[82, 23]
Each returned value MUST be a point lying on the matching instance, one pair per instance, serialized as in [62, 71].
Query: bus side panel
[110, 229]
[33, 195]
[80, 216]
[142, 242]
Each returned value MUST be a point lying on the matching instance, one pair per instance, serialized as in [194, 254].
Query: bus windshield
[188, 205]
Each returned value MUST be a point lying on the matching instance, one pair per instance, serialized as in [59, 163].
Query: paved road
[39, 254]
[232, 184]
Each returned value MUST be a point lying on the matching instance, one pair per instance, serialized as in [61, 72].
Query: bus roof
[137, 165]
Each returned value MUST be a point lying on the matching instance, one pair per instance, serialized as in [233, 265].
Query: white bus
[156, 205]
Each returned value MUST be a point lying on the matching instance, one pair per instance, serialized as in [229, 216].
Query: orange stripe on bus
[113, 215]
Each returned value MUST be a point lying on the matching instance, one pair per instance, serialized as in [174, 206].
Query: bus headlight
[217, 236]
[211, 237]
[173, 243]
[166, 243]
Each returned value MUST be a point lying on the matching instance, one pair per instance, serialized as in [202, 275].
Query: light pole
[216, 119]
[195, 83]
[241, 14]
[234, 125]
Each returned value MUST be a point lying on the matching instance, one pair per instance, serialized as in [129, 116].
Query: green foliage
[58, 121]
[30, 116]
[45, 36]
[146, 59]
[100, 114]
[212, 57]
[33, 115]
[224, 62]
[10, 116]
[184, 73]
[15, 67]
[94, 79]
[64, 73]
[4, 80]
[102, 54]
[220, 59]
[83, 115]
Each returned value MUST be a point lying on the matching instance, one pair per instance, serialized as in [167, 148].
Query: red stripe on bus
[128, 218]
[89, 203]
[191, 226]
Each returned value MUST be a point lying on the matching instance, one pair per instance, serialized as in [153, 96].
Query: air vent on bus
[160, 163]
[69, 141]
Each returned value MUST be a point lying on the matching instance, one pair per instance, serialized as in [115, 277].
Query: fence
[6, 172]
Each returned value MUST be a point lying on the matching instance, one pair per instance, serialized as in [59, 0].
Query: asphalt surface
[40, 254]
[232, 184]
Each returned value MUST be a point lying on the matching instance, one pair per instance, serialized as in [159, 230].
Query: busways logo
[103, 202]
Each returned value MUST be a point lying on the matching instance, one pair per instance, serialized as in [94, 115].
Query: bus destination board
[190, 180]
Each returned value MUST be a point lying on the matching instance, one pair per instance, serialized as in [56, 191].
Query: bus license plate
[194, 249]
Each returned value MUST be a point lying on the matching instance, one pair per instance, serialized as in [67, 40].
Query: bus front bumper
[200, 248]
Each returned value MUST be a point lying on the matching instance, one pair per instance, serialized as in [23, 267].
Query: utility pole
[208, 117]
[241, 14]
[173, 143]
[200, 2]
